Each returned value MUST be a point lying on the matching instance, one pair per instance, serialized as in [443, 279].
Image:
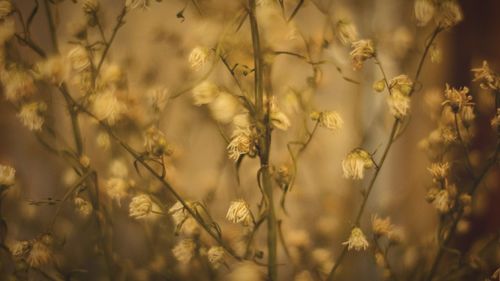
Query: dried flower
[7, 175]
[41, 252]
[142, 206]
[399, 104]
[156, 143]
[79, 58]
[31, 115]
[239, 212]
[442, 201]
[205, 93]
[486, 76]
[18, 83]
[457, 98]
[215, 256]
[357, 240]
[53, 70]
[439, 170]
[328, 119]
[355, 163]
[108, 108]
[242, 142]
[158, 98]
[402, 83]
[199, 57]
[6, 8]
[20, 249]
[83, 207]
[382, 227]
[116, 188]
[424, 11]
[346, 32]
[361, 51]
[90, 6]
[450, 14]
[112, 75]
[224, 107]
[184, 250]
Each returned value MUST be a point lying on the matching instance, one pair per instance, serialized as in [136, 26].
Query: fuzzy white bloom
[328, 119]
[205, 93]
[199, 57]
[357, 240]
[224, 107]
[41, 252]
[17, 83]
[439, 170]
[6, 8]
[424, 11]
[242, 142]
[355, 163]
[361, 51]
[53, 70]
[158, 98]
[442, 201]
[83, 207]
[183, 221]
[134, 4]
[118, 168]
[239, 212]
[184, 250]
[346, 32]
[450, 14]
[7, 175]
[142, 206]
[116, 188]
[402, 83]
[179, 213]
[215, 256]
[111, 75]
[31, 115]
[108, 108]
[79, 58]
[381, 226]
[399, 104]
[457, 98]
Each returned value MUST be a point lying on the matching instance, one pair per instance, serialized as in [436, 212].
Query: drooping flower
[328, 119]
[402, 83]
[457, 98]
[357, 240]
[41, 251]
[361, 51]
[399, 104]
[239, 212]
[346, 32]
[486, 76]
[142, 206]
[449, 14]
[31, 115]
[7, 175]
[184, 251]
[355, 163]
[424, 11]
[242, 142]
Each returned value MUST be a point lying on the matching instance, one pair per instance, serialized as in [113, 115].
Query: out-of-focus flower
[399, 104]
[205, 93]
[402, 83]
[142, 206]
[103, 140]
[357, 240]
[436, 54]
[83, 207]
[7, 175]
[328, 119]
[323, 258]
[156, 143]
[157, 98]
[20, 249]
[449, 14]
[379, 85]
[112, 75]
[90, 6]
[184, 250]
[79, 58]
[224, 107]
[239, 212]
[495, 121]
[424, 11]
[41, 251]
[199, 57]
[380, 226]
[18, 83]
[439, 170]
[107, 107]
[6, 8]
[280, 120]
[355, 163]
[361, 51]
[116, 188]
[215, 256]
[53, 70]
[183, 220]
[31, 115]
[486, 76]
[346, 32]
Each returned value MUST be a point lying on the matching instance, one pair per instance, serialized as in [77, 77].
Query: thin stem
[52, 26]
[119, 23]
